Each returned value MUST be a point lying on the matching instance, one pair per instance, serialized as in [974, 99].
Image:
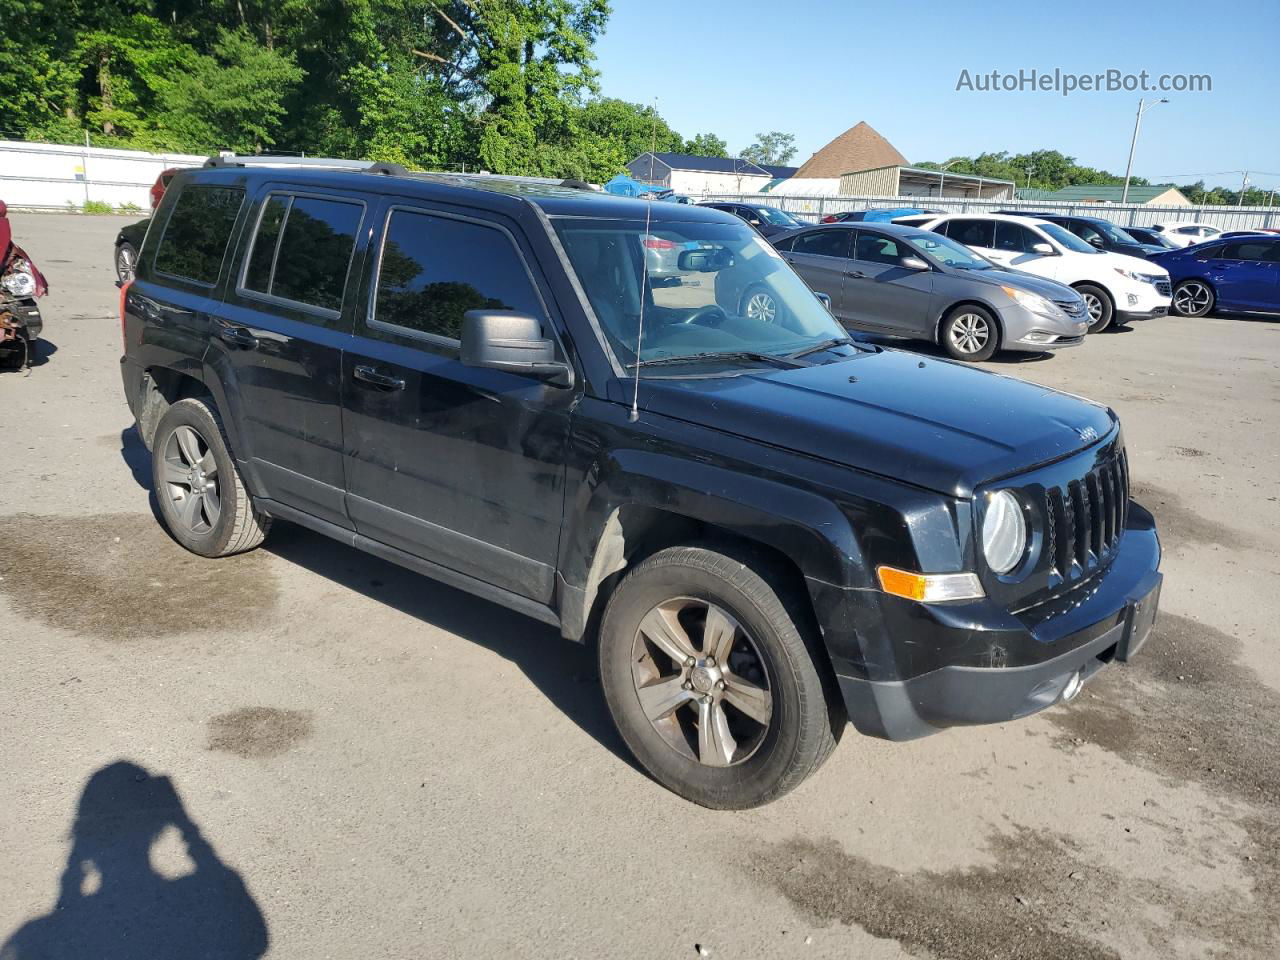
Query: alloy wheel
[761, 306]
[125, 264]
[701, 682]
[191, 480]
[1192, 299]
[969, 332]
[1094, 305]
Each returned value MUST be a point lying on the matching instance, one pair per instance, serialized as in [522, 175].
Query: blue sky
[814, 69]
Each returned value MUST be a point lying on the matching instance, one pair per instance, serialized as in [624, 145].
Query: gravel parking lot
[365, 763]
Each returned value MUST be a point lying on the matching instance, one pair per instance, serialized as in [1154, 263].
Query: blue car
[1239, 275]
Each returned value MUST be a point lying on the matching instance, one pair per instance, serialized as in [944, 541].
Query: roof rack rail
[316, 163]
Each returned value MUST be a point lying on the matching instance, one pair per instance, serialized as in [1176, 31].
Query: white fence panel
[53, 176]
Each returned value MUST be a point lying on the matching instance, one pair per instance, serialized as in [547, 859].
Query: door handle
[383, 381]
[237, 336]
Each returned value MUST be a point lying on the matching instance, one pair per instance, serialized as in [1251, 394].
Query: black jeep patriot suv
[554, 399]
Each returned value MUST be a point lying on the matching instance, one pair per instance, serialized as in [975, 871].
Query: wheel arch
[1100, 285]
[161, 388]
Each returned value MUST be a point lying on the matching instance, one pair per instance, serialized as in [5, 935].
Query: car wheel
[202, 498]
[1193, 298]
[1099, 305]
[126, 262]
[759, 303]
[970, 333]
[710, 675]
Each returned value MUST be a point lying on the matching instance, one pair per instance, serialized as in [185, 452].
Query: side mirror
[1095, 241]
[824, 299]
[511, 341]
[1043, 249]
[914, 263]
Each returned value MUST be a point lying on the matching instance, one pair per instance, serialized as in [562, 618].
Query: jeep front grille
[1086, 517]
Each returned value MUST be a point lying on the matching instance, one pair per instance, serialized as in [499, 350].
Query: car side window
[302, 249]
[823, 243]
[1246, 250]
[875, 248]
[785, 244]
[1013, 237]
[973, 233]
[195, 236]
[433, 269]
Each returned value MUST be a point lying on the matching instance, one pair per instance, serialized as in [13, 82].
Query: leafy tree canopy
[774, 148]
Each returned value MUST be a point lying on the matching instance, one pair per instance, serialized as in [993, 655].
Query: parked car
[1151, 237]
[875, 216]
[1115, 287]
[128, 243]
[21, 284]
[1241, 275]
[1099, 233]
[766, 220]
[1185, 234]
[888, 278]
[162, 183]
[763, 527]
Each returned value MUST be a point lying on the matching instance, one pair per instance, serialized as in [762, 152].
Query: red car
[162, 183]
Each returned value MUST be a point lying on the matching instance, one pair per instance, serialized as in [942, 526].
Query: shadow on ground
[126, 894]
[565, 672]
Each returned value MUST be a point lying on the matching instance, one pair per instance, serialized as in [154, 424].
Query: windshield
[776, 217]
[1066, 238]
[1112, 231]
[707, 288]
[948, 251]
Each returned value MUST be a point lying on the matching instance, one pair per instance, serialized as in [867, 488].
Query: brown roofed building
[858, 148]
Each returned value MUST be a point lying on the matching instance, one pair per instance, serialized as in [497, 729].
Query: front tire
[202, 499]
[1193, 298]
[1098, 302]
[126, 262]
[969, 333]
[710, 680]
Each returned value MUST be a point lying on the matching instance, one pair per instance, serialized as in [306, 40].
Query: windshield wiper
[780, 361]
[822, 345]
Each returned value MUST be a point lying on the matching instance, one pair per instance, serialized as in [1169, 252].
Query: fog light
[1074, 683]
[1039, 336]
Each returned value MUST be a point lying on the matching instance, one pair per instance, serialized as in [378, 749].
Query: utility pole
[1244, 185]
[1143, 107]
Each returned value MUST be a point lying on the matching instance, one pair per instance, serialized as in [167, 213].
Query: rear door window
[195, 236]
[823, 243]
[1012, 237]
[433, 269]
[302, 249]
[973, 233]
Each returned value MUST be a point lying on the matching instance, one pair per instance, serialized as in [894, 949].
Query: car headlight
[1142, 277]
[1031, 301]
[19, 283]
[1004, 532]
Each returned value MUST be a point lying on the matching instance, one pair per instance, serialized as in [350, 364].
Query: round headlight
[1004, 532]
[20, 283]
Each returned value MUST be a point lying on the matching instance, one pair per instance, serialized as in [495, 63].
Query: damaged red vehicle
[21, 283]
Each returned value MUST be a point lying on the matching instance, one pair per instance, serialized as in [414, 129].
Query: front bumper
[1128, 316]
[1024, 330]
[1012, 665]
[1141, 301]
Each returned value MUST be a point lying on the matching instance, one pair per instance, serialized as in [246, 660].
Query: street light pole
[942, 183]
[1143, 107]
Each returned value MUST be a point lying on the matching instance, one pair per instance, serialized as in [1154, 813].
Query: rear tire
[1193, 298]
[1098, 302]
[969, 333]
[202, 498]
[731, 648]
[126, 262]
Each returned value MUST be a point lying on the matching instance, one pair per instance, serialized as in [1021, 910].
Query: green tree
[706, 145]
[774, 148]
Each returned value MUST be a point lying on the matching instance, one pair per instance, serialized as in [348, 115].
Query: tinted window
[1247, 250]
[263, 254]
[823, 243]
[315, 251]
[1013, 237]
[785, 244]
[435, 269]
[972, 233]
[875, 248]
[195, 237]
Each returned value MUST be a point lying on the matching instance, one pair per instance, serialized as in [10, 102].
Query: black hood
[932, 423]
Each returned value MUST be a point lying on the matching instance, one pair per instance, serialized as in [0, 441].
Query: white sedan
[1184, 234]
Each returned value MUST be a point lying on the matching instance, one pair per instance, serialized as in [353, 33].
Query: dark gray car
[908, 282]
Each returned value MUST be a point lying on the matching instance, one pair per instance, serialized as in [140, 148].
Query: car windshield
[706, 289]
[948, 251]
[777, 217]
[1067, 239]
[1112, 231]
